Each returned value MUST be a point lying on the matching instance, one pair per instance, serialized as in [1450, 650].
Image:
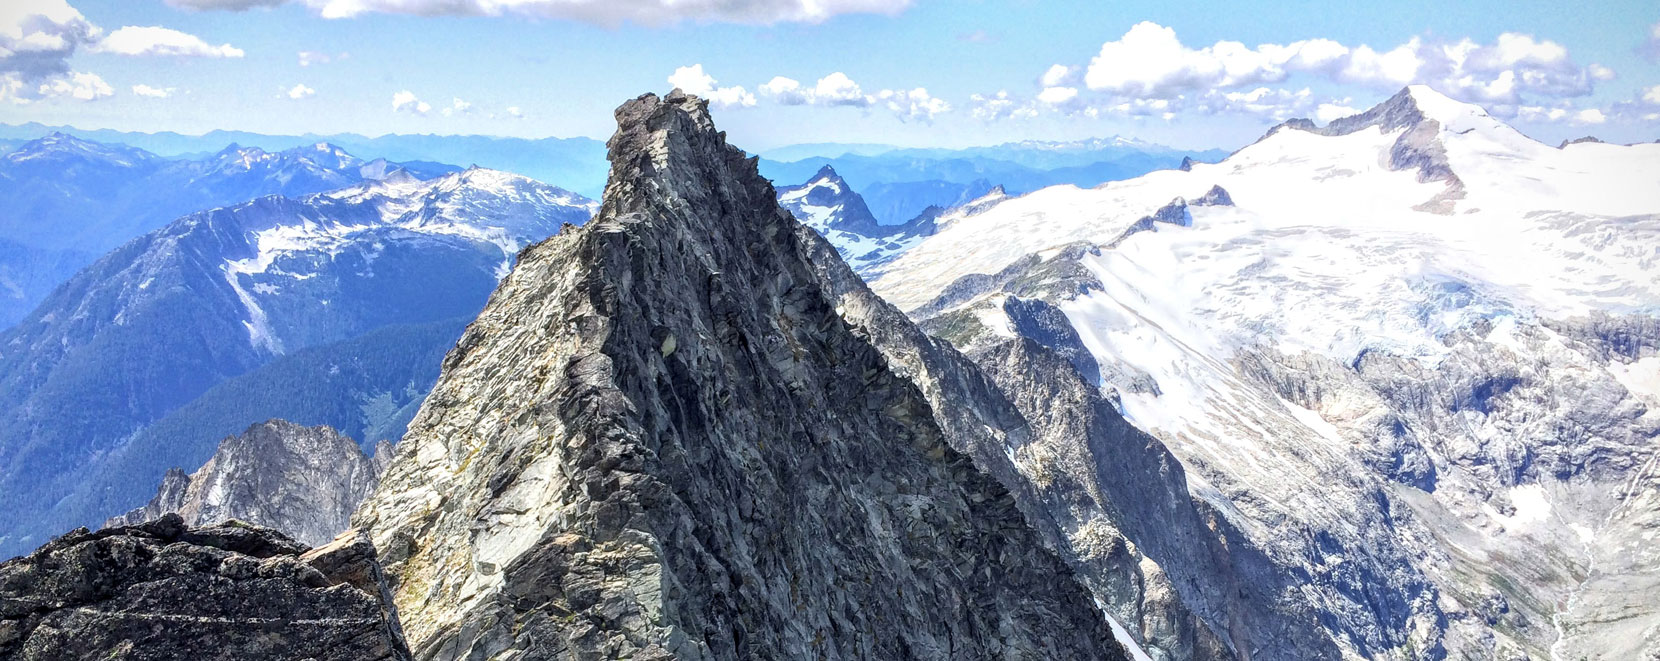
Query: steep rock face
[979, 420]
[162, 590]
[304, 481]
[660, 441]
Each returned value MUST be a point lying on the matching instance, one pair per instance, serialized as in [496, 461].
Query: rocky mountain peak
[304, 481]
[660, 440]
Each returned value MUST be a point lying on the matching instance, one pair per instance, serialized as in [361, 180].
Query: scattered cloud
[977, 37]
[515, 112]
[77, 85]
[152, 92]
[458, 107]
[1059, 75]
[992, 107]
[1326, 112]
[912, 105]
[156, 40]
[603, 12]
[839, 90]
[1563, 114]
[1150, 61]
[1651, 45]
[310, 57]
[300, 91]
[406, 101]
[1652, 95]
[786, 91]
[693, 80]
[37, 38]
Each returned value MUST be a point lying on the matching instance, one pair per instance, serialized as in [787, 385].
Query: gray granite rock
[661, 440]
[161, 590]
[304, 481]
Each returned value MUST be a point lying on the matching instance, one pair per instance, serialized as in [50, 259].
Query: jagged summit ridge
[660, 440]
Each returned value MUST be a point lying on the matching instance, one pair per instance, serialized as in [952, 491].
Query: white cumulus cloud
[912, 105]
[786, 91]
[515, 112]
[458, 107]
[406, 101]
[991, 107]
[152, 92]
[156, 40]
[300, 91]
[1058, 75]
[1326, 112]
[1149, 61]
[838, 89]
[693, 80]
[77, 85]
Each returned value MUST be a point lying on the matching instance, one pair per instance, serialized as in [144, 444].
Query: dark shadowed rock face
[162, 590]
[304, 481]
[660, 440]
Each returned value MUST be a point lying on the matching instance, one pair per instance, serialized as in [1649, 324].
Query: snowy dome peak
[1440, 107]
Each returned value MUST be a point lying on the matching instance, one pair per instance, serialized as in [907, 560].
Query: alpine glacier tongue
[1413, 360]
[660, 440]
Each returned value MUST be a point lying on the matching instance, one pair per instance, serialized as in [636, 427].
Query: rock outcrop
[661, 440]
[304, 481]
[162, 590]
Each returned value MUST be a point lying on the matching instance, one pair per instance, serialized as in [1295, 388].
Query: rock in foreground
[162, 590]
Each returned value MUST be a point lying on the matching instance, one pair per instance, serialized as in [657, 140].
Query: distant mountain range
[155, 324]
[898, 182]
[71, 200]
[578, 164]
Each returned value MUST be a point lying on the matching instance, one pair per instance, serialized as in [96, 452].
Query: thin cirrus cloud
[38, 37]
[602, 12]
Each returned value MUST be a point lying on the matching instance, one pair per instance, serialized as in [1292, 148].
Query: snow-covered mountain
[1414, 355]
[899, 184]
[828, 205]
[218, 293]
[71, 200]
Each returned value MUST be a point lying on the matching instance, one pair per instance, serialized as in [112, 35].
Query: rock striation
[162, 590]
[304, 481]
[662, 440]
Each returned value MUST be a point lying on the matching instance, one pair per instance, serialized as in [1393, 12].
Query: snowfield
[1478, 353]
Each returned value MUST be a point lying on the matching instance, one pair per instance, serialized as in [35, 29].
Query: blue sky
[1153, 70]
